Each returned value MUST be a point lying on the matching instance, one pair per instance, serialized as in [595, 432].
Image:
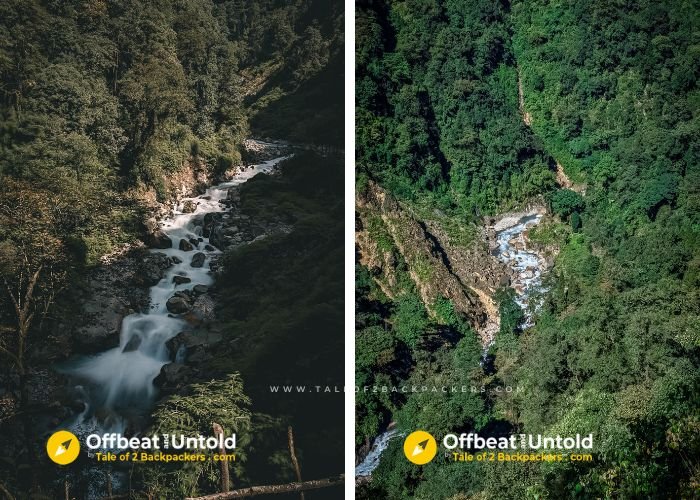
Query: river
[526, 266]
[118, 384]
[525, 263]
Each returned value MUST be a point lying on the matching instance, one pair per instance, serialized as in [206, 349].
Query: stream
[526, 265]
[117, 384]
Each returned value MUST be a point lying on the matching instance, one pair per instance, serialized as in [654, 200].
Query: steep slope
[468, 277]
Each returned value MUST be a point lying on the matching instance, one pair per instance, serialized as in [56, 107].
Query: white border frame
[349, 249]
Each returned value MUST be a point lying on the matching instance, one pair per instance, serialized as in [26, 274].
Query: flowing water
[527, 265]
[371, 461]
[118, 383]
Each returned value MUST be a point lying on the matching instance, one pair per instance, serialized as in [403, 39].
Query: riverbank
[509, 248]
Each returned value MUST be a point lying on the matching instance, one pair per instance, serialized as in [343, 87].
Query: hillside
[472, 110]
[111, 114]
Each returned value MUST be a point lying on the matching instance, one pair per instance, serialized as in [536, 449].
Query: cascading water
[526, 264]
[118, 383]
[371, 461]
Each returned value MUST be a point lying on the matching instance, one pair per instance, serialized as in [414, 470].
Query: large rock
[102, 318]
[155, 237]
[189, 206]
[172, 377]
[133, 344]
[216, 236]
[200, 289]
[198, 259]
[188, 344]
[203, 308]
[158, 239]
[177, 305]
[208, 222]
[153, 268]
[185, 245]
[181, 280]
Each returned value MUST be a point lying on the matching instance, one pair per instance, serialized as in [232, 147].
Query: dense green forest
[611, 91]
[106, 108]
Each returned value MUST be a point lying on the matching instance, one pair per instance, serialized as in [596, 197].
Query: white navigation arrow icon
[62, 448]
[420, 448]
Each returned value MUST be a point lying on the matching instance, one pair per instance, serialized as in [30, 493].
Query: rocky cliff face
[467, 275]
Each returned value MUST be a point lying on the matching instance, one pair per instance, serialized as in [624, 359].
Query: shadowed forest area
[111, 111]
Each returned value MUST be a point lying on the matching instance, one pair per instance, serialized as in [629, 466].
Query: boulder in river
[189, 206]
[176, 260]
[200, 289]
[177, 305]
[192, 341]
[185, 245]
[198, 259]
[133, 344]
[202, 311]
[194, 242]
[181, 280]
[153, 268]
[208, 222]
[158, 239]
[209, 248]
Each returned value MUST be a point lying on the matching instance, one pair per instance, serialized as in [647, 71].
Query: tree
[32, 260]
[564, 202]
[219, 401]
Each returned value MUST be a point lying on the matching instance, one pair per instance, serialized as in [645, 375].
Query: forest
[105, 105]
[609, 95]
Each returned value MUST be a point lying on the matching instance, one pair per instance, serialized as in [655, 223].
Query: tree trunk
[275, 489]
[224, 483]
[292, 453]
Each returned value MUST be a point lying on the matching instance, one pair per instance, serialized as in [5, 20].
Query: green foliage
[613, 96]
[565, 202]
[410, 320]
[445, 311]
[219, 401]
[549, 233]
[576, 222]
[437, 114]
[101, 101]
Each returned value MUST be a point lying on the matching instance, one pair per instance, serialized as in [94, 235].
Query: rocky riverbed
[145, 347]
[525, 262]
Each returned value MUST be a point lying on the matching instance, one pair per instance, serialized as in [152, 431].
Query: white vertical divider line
[349, 249]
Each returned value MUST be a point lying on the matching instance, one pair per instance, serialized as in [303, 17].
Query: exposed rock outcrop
[467, 276]
[111, 291]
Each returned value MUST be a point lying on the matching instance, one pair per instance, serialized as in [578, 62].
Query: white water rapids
[527, 265]
[118, 383]
[371, 461]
